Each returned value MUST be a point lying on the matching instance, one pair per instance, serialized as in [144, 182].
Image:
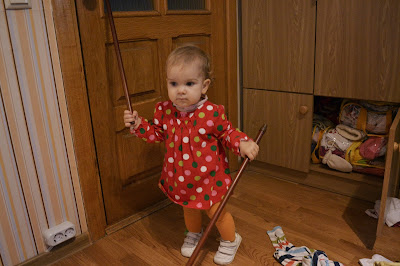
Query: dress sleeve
[151, 131]
[223, 130]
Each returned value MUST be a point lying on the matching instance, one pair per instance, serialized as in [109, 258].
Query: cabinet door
[358, 49]
[278, 40]
[287, 142]
[390, 187]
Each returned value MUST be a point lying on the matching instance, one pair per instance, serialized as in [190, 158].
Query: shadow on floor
[361, 224]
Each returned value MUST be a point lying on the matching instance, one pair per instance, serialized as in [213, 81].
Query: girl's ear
[206, 84]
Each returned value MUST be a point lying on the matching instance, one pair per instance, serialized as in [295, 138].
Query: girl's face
[186, 83]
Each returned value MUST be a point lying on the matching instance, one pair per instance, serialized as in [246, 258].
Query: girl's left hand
[248, 148]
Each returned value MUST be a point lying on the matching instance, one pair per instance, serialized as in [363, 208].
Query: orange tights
[225, 223]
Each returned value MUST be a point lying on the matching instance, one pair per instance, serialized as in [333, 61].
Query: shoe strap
[227, 250]
[227, 244]
[190, 241]
[192, 238]
[194, 235]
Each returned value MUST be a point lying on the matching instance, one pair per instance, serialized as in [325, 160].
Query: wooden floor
[309, 217]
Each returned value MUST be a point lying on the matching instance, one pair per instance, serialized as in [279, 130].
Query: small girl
[195, 173]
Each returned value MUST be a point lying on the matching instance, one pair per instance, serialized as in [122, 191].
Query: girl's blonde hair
[187, 54]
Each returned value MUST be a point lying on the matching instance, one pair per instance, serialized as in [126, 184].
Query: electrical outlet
[59, 233]
[58, 238]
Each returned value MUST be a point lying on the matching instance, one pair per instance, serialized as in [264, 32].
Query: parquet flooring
[309, 217]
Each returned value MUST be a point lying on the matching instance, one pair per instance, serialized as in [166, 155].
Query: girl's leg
[225, 223]
[192, 219]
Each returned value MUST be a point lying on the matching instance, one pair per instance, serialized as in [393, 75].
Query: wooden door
[278, 40]
[391, 180]
[147, 30]
[357, 49]
[289, 118]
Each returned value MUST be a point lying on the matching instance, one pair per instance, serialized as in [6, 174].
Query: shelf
[369, 179]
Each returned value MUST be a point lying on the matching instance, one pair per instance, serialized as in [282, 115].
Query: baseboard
[137, 216]
[69, 247]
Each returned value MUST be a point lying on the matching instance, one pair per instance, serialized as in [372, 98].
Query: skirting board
[137, 216]
[59, 252]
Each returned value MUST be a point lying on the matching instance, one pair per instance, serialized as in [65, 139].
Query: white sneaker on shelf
[190, 243]
[227, 250]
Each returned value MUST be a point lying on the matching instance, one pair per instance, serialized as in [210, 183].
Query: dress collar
[193, 107]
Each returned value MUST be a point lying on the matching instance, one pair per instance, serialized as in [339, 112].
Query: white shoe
[190, 243]
[227, 250]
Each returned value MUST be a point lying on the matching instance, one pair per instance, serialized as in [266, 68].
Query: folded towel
[350, 133]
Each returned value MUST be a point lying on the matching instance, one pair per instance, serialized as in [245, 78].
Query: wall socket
[59, 233]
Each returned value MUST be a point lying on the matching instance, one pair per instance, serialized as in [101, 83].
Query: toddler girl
[195, 173]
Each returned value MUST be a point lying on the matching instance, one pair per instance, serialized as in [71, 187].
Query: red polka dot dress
[195, 172]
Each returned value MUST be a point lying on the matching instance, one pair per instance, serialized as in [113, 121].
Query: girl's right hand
[132, 120]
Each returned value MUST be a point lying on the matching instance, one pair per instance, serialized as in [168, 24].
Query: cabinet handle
[396, 146]
[303, 109]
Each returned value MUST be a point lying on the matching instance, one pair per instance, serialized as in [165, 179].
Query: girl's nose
[181, 89]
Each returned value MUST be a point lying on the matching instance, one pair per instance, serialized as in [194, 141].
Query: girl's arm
[150, 131]
[233, 138]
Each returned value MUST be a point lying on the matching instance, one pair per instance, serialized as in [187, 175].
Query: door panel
[287, 142]
[278, 45]
[140, 60]
[129, 167]
[357, 51]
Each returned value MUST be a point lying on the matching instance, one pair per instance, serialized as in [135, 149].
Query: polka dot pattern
[195, 173]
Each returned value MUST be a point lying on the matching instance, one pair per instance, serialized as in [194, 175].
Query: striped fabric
[289, 255]
[39, 186]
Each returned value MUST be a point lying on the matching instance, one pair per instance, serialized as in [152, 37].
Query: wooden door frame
[71, 60]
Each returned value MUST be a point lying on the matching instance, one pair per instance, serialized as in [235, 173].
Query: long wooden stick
[118, 53]
[214, 219]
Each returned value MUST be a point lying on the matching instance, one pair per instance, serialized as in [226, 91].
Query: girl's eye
[173, 83]
[190, 83]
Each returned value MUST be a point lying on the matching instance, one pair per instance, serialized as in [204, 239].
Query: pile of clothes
[392, 211]
[377, 260]
[288, 254]
[356, 140]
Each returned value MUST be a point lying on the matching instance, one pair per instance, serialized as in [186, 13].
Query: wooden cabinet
[289, 118]
[278, 40]
[356, 44]
[358, 49]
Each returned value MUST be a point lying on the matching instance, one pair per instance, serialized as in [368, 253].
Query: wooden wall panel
[38, 187]
[21, 145]
[39, 98]
[16, 238]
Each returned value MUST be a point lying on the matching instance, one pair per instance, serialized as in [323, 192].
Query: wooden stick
[118, 53]
[214, 219]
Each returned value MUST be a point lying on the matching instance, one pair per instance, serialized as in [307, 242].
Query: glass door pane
[186, 5]
[131, 5]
